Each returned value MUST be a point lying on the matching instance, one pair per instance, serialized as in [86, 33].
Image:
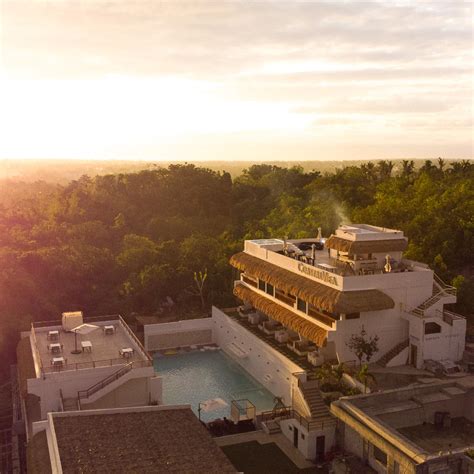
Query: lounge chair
[281, 335]
[269, 327]
[245, 310]
[254, 318]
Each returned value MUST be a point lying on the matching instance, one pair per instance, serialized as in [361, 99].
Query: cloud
[386, 66]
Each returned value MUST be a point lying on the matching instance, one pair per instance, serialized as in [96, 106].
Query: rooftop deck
[105, 347]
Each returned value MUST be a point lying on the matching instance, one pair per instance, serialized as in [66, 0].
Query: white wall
[170, 335]
[307, 439]
[448, 344]
[71, 381]
[262, 359]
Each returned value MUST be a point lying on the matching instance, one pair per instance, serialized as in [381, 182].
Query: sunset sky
[203, 80]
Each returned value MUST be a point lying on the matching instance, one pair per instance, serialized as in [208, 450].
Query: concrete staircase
[70, 404]
[388, 356]
[440, 290]
[271, 427]
[319, 411]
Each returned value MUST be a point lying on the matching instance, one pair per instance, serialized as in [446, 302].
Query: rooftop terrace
[433, 439]
[105, 346]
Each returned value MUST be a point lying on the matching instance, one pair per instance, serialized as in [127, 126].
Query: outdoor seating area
[270, 326]
[86, 346]
[91, 344]
[302, 347]
[55, 348]
[126, 352]
[271, 340]
[53, 336]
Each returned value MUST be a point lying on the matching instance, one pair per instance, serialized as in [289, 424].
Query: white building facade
[359, 279]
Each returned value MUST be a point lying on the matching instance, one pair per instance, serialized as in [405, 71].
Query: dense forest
[125, 242]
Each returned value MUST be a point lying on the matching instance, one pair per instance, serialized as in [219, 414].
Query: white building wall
[448, 344]
[307, 439]
[180, 333]
[70, 382]
[390, 328]
[272, 369]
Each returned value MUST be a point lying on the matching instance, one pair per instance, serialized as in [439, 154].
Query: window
[353, 316]
[380, 456]
[301, 305]
[432, 328]
[261, 285]
[302, 436]
[270, 289]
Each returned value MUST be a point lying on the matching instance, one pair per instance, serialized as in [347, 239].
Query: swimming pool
[193, 377]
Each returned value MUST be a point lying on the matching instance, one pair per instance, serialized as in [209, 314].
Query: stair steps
[70, 404]
[388, 356]
[318, 409]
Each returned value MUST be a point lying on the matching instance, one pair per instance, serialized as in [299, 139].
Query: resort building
[301, 302]
[79, 364]
[357, 279]
[423, 429]
[151, 439]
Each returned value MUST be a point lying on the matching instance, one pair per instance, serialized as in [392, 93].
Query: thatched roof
[302, 326]
[319, 295]
[366, 246]
[156, 441]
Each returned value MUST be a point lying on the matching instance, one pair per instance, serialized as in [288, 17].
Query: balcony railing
[287, 413]
[96, 319]
[321, 317]
[93, 365]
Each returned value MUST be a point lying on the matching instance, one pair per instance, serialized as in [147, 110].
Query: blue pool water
[193, 377]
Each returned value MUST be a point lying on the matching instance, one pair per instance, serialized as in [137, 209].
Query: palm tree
[364, 376]
[441, 164]
[339, 371]
[408, 167]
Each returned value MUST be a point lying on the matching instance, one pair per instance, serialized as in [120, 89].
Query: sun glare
[78, 118]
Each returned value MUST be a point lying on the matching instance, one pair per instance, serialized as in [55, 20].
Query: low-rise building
[97, 364]
[423, 429]
[168, 439]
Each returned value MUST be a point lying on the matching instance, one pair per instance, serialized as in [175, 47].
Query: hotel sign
[323, 275]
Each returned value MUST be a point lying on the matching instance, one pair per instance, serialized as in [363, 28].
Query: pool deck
[281, 347]
[263, 438]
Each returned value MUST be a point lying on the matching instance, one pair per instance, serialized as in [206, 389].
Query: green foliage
[124, 242]
[363, 346]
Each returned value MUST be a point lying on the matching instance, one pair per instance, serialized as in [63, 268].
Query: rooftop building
[328, 289]
[166, 439]
[97, 363]
[425, 428]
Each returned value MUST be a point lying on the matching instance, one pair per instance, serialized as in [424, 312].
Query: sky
[236, 80]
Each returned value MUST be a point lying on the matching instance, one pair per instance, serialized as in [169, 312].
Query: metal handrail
[92, 365]
[103, 383]
[289, 412]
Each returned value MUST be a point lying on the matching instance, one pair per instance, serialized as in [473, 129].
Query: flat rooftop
[433, 439]
[409, 413]
[105, 347]
[163, 440]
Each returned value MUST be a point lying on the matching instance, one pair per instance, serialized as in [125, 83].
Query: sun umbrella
[82, 329]
[211, 405]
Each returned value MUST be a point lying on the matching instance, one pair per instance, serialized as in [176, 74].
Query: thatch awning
[355, 247]
[319, 295]
[296, 323]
